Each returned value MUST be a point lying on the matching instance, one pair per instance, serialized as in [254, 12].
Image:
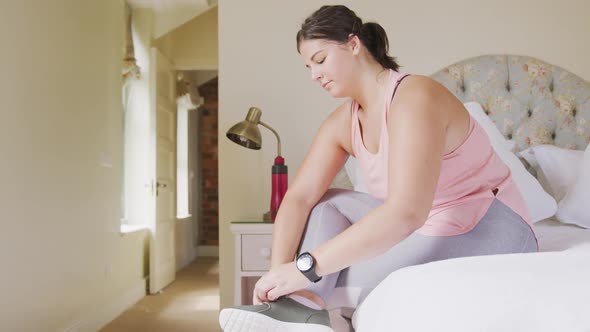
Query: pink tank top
[470, 177]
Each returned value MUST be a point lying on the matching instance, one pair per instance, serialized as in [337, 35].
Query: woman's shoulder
[422, 97]
[418, 89]
[419, 85]
[342, 112]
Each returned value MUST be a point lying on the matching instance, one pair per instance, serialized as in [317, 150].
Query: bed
[532, 105]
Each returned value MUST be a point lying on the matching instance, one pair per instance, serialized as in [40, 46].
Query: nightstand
[253, 242]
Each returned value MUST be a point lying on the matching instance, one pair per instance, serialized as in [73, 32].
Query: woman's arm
[417, 127]
[324, 159]
[418, 124]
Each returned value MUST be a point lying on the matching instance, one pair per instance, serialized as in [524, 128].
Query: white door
[163, 155]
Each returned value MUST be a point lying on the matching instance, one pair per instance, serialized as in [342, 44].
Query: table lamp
[246, 133]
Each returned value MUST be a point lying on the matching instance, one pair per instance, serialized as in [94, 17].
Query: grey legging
[500, 231]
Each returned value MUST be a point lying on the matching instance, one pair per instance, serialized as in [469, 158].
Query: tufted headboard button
[508, 86]
[529, 113]
[462, 87]
[509, 136]
[553, 136]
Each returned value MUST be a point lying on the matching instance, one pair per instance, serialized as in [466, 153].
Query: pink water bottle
[280, 182]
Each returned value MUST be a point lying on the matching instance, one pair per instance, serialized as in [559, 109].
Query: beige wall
[60, 96]
[194, 44]
[259, 65]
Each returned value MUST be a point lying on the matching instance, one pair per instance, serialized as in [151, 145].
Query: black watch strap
[306, 264]
[312, 276]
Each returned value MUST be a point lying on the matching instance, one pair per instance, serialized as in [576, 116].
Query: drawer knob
[265, 252]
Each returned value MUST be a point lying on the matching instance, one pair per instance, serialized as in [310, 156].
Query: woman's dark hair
[337, 22]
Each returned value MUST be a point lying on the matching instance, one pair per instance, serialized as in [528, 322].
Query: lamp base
[266, 216]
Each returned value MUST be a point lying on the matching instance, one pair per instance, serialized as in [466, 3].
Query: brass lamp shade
[247, 134]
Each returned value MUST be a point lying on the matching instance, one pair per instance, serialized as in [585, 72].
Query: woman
[437, 190]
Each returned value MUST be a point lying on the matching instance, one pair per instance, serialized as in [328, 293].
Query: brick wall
[209, 209]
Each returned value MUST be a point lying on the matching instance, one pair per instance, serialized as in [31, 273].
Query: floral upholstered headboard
[530, 101]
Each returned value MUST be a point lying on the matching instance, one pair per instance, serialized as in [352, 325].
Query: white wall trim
[208, 251]
[94, 320]
[127, 228]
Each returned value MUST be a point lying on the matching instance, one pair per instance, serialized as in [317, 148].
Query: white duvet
[547, 291]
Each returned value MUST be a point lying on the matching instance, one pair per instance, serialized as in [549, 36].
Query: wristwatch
[306, 265]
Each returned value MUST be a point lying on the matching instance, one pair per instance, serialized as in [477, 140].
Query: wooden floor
[190, 303]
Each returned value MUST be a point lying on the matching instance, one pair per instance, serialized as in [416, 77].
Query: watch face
[304, 262]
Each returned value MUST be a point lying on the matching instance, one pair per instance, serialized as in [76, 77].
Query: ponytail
[374, 37]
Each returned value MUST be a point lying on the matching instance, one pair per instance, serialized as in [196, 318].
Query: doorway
[202, 172]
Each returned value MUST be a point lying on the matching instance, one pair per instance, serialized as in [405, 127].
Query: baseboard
[97, 319]
[192, 255]
[208, 251]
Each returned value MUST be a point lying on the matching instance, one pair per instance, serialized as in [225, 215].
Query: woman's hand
[281, 280]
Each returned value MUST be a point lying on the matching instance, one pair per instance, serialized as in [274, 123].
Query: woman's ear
[354, 43]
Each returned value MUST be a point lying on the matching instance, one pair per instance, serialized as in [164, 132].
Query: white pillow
[556, 167]
[566, 175]
[540, 204]
[574, 209]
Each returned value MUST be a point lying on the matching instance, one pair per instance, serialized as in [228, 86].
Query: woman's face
[331, 64]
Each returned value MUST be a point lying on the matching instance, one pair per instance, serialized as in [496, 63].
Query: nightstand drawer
[256, 252]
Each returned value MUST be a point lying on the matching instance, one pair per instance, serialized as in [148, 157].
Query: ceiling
[159, 4]
[169, 14]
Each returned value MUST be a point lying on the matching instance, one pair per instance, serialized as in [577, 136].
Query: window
[183, 146]
[182, 170]
[135, 93]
